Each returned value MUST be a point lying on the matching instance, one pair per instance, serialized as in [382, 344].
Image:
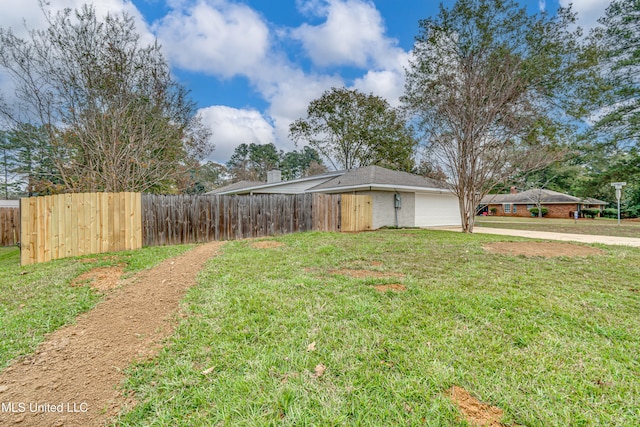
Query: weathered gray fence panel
[170, 220]
[9, 226]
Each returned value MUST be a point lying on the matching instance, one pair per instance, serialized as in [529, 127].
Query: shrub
[610, 213]
[591, 213]
[631, 212]
[534, 211]
[493, 210]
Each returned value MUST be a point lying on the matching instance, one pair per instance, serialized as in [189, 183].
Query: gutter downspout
[396, 205]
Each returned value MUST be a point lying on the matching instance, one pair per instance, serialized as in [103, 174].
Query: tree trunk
[467, 213]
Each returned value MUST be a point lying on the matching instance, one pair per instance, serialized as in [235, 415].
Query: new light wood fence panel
[356, 212]
[66, 225]
[9, 226]
[326, 212]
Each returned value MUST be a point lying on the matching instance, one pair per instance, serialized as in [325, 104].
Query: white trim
[382, 187]
[328, 176]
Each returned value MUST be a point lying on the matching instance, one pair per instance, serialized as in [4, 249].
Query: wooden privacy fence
[65, 225]
[79, 224]
[169, 220]
[9, 226]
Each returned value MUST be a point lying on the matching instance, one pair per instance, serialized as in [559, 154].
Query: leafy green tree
[614, 165]
[619, 41]
[351, 129]
[199, 178]
[296, 164]
[490, 86]
[251, 162]
[429, 170]
[10, 181]
[34, 157]
[112, 115]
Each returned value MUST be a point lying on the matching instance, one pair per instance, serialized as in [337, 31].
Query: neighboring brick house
[559, 205]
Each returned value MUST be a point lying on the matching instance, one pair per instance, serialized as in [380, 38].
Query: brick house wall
[561, 211]
[555, 211]
[521, 210]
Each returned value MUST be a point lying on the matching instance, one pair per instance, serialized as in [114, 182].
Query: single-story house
[414, 200]
[9, 203]
[559, 205]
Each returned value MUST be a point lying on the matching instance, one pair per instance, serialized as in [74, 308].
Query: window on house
[529, 207]
[507, 208]
[514, 208]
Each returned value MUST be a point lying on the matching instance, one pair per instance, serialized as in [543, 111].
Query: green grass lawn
[597, 226]
[37, 299]
[551, 341]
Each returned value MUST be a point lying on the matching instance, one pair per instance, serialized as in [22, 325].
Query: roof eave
[245, 190]
[383, 187]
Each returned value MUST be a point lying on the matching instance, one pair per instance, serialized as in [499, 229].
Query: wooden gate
[356, 213]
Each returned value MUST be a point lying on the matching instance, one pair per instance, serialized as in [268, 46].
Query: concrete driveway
[566, 237]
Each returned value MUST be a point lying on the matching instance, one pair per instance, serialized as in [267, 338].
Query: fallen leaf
[319, 370]
[312, 346]
[208, 371]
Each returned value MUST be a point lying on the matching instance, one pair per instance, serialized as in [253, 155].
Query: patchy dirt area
[395, 287]
[101, 278]
[476, 413]
[266, 244]
[541, 249]
[72, 378]
[363, 274]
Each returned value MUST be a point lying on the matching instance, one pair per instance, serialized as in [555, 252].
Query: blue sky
[253, 66]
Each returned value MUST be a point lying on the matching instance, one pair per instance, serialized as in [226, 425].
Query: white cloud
[589, 11]
[289, 89]
[542, 5]
[29, 13]
[232, 126]
[215, 37]
[353, 34]
[387, 83]
[291, 97]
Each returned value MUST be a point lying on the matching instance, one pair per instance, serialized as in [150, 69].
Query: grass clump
[279, 336]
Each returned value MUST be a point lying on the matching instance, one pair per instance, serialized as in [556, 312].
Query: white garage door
[433, 210]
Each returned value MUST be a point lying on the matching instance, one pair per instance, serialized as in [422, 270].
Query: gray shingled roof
[236, 186]
[533, 195]
[376, 175]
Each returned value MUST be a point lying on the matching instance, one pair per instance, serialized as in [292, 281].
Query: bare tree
[486, 86]
[114, 118]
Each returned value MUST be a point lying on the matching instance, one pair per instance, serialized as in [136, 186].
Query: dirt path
[72, 378]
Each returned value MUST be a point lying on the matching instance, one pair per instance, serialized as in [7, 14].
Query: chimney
[274, 176]
[514, 190]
